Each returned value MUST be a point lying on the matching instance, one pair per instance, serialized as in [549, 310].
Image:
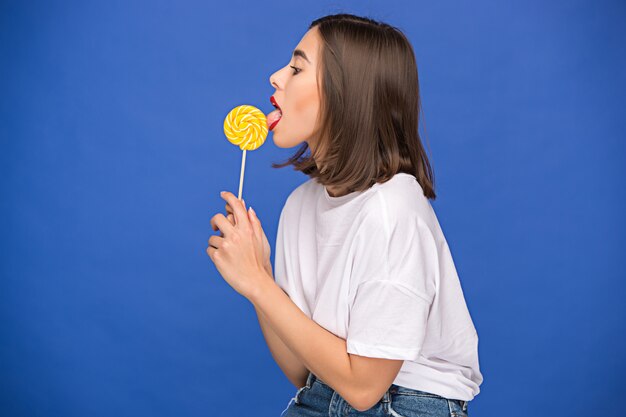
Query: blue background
[113, 156]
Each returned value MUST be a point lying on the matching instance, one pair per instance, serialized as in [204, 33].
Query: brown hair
[369, 110]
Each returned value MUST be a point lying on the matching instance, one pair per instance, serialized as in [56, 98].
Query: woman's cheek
[306, 96]
[307, 109]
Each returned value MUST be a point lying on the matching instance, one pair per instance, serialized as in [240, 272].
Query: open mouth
[274, 117]
[274, 103]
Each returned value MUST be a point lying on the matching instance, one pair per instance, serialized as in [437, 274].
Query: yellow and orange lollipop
[246, 127]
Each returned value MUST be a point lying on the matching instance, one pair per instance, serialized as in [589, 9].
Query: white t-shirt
[374, 268]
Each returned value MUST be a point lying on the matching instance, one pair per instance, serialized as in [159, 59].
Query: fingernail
[252, 210]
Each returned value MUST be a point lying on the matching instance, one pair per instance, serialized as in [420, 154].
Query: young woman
[364, 311]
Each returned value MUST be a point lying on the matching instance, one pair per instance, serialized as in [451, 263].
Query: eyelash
[295, 72]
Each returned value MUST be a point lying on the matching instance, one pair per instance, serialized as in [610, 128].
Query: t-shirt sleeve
[283, 268]
[393, 286]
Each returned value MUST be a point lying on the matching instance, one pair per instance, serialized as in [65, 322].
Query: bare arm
[299, 344]
[291, 366]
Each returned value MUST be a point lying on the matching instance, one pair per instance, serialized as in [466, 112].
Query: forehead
[309, 44]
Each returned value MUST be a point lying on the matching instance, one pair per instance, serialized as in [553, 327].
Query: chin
[280, 143]
[276, 140]
[286, 140]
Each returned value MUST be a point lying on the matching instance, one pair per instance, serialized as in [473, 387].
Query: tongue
[273, 116]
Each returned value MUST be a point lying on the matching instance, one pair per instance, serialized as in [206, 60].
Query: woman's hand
[267, 249]
[239, 252]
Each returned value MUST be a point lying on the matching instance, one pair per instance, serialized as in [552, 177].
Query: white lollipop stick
[243, 168]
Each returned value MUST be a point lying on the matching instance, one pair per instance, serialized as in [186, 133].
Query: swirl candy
[246, 127]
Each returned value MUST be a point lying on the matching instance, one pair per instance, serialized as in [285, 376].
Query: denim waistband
[393, 389]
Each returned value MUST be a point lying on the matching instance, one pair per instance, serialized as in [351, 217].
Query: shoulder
[298, 195]
[398, 207]
[301, 190]
[395, 243]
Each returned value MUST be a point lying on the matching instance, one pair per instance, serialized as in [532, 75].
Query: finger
[241, 217]
[211, 251]
[220, 222]
[231, 219]
[256, 223]
[253, 215]
[216, 241]
[229, 209]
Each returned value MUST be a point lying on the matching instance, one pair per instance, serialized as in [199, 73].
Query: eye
[296, 70]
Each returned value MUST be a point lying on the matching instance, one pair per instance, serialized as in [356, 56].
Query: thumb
[256, 223]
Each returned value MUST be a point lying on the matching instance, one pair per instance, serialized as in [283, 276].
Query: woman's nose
[274, 79]
[273, 82]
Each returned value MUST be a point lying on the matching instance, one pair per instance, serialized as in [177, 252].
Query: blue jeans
[316, 399]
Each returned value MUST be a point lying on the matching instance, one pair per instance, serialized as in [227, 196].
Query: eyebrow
[300, 52]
